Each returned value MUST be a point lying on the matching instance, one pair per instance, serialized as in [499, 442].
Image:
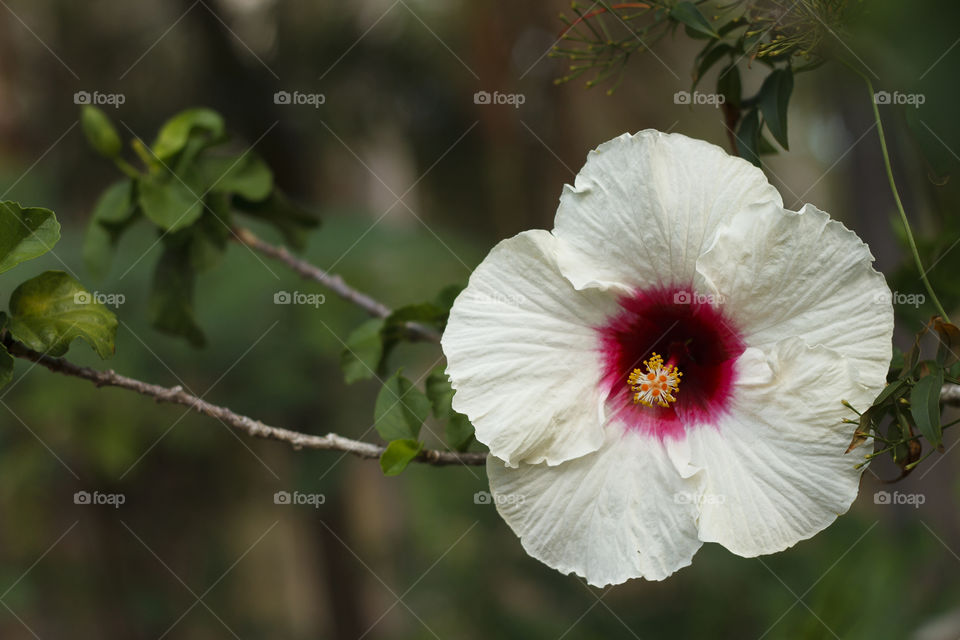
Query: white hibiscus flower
[666, 367]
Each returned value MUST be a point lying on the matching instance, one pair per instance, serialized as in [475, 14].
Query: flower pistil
[657, 384]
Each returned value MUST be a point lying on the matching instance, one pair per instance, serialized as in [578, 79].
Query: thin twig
[333, 282]
[255, 428]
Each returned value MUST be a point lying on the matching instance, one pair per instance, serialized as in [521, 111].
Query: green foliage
[688, 14]
[245, 175]
[400, 409]
[25, 233]
[112, 214]
[204, 125]
[398, 455]
[774, 97]
[748, 137]
[171, 298]
[925, 405]
[361, 358]
[100, 132]
[168, 203]
[458, 431]
[52, 310]
[399, 413]
[908, 409]
[370, 344]
[733, 36]
[6, 367]
[189, 188]
[292, 221]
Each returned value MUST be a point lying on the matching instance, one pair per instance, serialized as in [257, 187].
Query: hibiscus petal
[782, 273]
[620, 513]
[774, 471]
[645, 206]
[522, 354]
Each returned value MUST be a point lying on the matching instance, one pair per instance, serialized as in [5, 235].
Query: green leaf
[176, 131]
[113, 213]
[688, 14]
[440, 394]
[210, 235]
[892, 390]
[25, 233]
[711, 57]
[728, 85]
[400, 409]
[291, 220]
[246, 175]
[6, 367]
[774, 98]
[765, 147]
[925, 406]
[748, 137]
[360, 360]
[398, 455]
[459, 432]
[448, 295]
[171, 298]
[169, 203]
[424, 313]
[458, 429]
[50, 311]
[100, 132]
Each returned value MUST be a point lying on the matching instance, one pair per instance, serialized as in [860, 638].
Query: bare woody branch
[255, 428]
[333, 282]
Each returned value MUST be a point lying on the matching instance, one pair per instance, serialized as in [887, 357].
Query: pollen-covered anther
[655, 384]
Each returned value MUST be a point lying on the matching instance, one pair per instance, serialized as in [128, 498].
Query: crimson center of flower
[660, 336]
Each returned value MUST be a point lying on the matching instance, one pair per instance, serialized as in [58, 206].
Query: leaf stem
[896, 197]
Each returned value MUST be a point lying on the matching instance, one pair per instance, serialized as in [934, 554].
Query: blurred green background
[199, 549]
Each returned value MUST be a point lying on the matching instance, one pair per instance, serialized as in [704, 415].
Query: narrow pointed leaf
[688, 14]
[774, 100]
[925, 406]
